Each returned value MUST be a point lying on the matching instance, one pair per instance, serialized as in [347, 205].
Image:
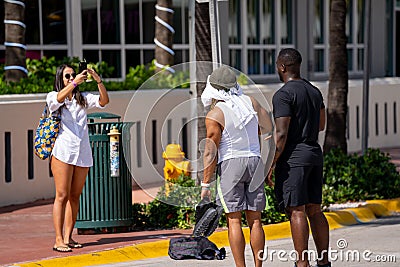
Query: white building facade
[121, 32]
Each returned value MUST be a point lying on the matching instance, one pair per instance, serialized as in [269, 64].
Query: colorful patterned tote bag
[46, 133]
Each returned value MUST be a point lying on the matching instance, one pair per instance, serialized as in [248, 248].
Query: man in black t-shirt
[299, 114]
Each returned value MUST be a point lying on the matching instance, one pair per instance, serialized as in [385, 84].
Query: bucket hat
[223, 77]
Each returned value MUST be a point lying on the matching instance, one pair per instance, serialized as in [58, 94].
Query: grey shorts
[240, 184]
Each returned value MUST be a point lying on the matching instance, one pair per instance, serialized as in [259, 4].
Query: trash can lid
[102, 115]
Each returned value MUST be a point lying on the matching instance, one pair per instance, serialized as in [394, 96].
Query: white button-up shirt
[72, 144]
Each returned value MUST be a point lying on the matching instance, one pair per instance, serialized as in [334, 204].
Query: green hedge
[41, 75]
[185, 195]
[347, 178]
[359, 177]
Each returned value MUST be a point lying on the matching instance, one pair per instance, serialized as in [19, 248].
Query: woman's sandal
[62, 249]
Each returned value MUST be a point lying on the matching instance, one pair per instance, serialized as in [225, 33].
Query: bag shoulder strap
[57, 113]
[46, 112]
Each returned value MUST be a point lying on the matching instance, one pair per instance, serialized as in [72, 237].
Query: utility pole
[365, 103]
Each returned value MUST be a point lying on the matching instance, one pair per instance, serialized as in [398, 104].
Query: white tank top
[238, 143]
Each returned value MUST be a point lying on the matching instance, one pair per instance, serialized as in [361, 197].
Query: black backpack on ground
[197, 246]
[191, 247]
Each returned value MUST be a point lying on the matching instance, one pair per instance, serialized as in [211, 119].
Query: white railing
[160, 117]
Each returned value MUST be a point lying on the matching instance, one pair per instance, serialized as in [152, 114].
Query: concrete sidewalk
[110, 249]
[27, 233]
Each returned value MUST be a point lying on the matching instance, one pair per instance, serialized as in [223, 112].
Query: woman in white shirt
[71, 156]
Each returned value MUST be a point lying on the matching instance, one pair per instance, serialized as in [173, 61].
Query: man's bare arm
[322, 118]
[282, 128]
[264, 119]
[210, 157]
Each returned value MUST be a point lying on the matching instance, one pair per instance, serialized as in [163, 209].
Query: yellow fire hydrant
[175, 164]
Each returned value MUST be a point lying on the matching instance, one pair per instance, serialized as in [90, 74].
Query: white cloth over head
[242, 110]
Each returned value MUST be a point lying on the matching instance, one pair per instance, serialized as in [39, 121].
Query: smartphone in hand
[82, 66]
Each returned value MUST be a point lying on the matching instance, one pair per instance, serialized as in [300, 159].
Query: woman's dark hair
[59, 84]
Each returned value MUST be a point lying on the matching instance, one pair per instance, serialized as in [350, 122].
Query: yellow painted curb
[378, 209]
[362, 214]
[336, 219]
[277, 231]
[137, 252]
[345, 217]
[392, 205]
[221, 238]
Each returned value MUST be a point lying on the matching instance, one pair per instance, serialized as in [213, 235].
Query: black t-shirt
[302, 102]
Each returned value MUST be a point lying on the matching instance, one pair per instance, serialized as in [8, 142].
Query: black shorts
[298, 186]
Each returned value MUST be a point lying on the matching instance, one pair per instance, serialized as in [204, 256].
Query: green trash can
[106, 201]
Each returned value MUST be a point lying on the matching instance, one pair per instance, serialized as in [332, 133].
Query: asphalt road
[370, 244]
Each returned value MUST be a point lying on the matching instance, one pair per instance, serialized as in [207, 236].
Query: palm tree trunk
[335, 136]
[14, 34]
[164, 35]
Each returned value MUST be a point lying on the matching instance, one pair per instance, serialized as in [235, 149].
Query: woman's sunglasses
[68, 76]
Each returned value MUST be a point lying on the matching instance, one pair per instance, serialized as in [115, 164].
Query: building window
[132, 59]
[268, 23]
[181, 26]
[53, 22]
[234, 22]
[50, 15]
[235, 58]
[46, 29]
[90, 23]
[148, 27]
[32, 36]
[269, 61]
[2, 28]
[132, 22]
[286, 22]
[101, 33]
[180, 19]
[100, 22]
[355, 35]
[126, 40]
[394, 54]
[264, 34]
[320, 36]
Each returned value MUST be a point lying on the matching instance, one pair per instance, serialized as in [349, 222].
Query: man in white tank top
[233, 149]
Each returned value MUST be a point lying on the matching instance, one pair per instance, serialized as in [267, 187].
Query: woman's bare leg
[78, 181]
[62, 173]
